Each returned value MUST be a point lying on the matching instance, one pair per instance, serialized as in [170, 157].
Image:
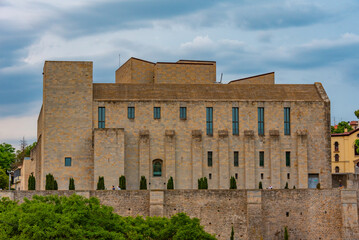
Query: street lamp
[10, 172]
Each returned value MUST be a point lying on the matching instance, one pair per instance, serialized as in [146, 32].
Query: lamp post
[10, 172]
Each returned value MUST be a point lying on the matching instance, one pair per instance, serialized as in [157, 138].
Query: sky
[302, 41]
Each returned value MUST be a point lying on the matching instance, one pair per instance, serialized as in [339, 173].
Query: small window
[236, 175]
[209, 121]
[260, 121]
[337, 169]
[156, 112]
[235, 160]
[287, 159]
[209, 159]
[261, 159]
[68, 162]
[210, 176]
[101, 117]
[286, 121]
[336, 157]
[262, 176]
[131, 112]
[183, 113]
[288, 175]
[336, 147]
[235, 121]
[157, 168]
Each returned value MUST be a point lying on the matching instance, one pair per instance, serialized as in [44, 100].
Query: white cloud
[14, 128]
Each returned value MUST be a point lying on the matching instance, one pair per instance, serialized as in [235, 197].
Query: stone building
[162, 120]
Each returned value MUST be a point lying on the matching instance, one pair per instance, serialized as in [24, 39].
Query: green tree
[7, 156]
[72, 184]
[31, 185]
[357, 145]
[286, 186]
[357, 113]
[51, 183]
[4, 179]
[55, 185]
[170, 184]
[341, 127]
[143, 183]
[101, 183]
[75, 217]
[24, 150]
[286, 234]
[232, 234]
[318, 185]
[260, 185]
[122, 182]
[232, 183]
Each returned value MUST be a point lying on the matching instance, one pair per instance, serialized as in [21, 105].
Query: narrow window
[157, 168]
[261, 159]
[101, 117]
[210, 176]
[336, 169]
[67, 162]
[209, 159]
[131, 112]
[156, 112]
[260, 121]
[235, 159]
[262, 176]
[336, 147]
[235, 123]
[183, 113]
[336, 157]
[236, 175]
[209, 121]
[288, 175]
[287, 159]
[286, 121]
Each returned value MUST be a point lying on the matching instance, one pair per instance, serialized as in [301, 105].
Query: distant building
[21, 174]
[345, 158]
[162, 120]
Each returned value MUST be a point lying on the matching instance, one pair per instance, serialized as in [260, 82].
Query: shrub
[143, 183]
[101, 183]
[294, 187]
[170, 184]
[72, 184]
[31, 185]
[51, 183]
[202, 183]
[122, 182]
[233, 183]
[260, 185]
[56, 187]
[232, 234]
[286, 234]
[286, 186]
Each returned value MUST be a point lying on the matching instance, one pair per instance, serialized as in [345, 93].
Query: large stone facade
[68, 127]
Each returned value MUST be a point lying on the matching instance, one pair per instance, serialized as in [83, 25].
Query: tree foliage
[143, 183]
[170, 184]
[357, 145]
[202, 183]
[7, 156]
[75, 217]
[232, 234]
[286, 186]
[260, 185]
[122, 182]
[51, 183]
[286, 234]
[357, 113]
[24, 150]
[232, 183]
[71, 184]
[4, 179]
[101, 183]
[31, 185]
[341, 127]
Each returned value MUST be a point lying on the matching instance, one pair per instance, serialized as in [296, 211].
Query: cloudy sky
[302, 41]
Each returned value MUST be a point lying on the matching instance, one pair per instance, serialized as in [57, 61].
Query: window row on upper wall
[209, 118]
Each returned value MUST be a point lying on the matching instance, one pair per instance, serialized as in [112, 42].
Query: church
[172, 119]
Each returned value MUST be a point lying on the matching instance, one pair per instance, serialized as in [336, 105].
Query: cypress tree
[233, 183]
[232, 234]
[143, 183]
[72, 184]
[31, 182]
[318, 186]
[101, 183]
[294, 187]
[286, 186]
[50, 182]
[205, 183]
[122, 182]
[199, 183]
[170, 184]
[260, 185]
[286, 234]
[55, 185]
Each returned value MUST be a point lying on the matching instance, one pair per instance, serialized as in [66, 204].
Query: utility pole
[9, 172]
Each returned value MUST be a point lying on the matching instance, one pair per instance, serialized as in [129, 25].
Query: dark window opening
[236, 175]
[262, 176]
[260, 121]
[287, 121]
[156, 112]
[235, 159]
[183, 113]
[288, 175]
[209, 159]
[131, 112]
[157, 168]
[336, 157]
[68, 162]
[210, 176]
[235, 121]
[337, 169]
[101, 117]
[336, 147]
[287, 159]
[261, 159]
[209, 121]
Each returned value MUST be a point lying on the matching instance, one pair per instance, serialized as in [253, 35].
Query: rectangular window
[235, 123]
[210, 176]
[101, 117]
[261, 159]
[287, 159]
[183, 113]
[236, 175]
[286, 121]
[156, 112]
[67, 162]
[235, 159]
[209, 121]
[209, 159]
[288, 175]
[260, 121]
[262, 176]
[131, 112]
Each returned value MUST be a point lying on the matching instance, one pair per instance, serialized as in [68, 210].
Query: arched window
[336, 157]
[336, 147]
[157, 168]
[336, 169]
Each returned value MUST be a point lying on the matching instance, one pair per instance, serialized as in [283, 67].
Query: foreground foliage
[75, 217]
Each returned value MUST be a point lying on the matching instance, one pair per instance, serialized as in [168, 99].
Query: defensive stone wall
[254, 214]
